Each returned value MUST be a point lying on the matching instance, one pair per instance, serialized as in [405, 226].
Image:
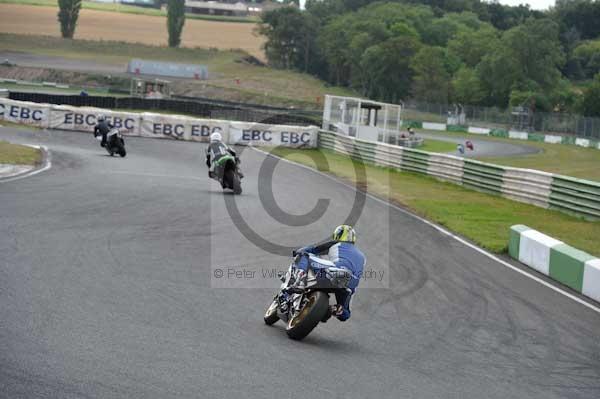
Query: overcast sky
[534, 4]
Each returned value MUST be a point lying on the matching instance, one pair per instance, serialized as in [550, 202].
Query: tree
[67, 16]
[466, 87]
[527, 60]
[440, 31]
[472, 45]
[387, 72]
[175, 21]
[431, 78]
[591, 98]
[333, 41]
[505, 17]
[291, 38]
[587, 55]
[497, 74]
[582, 15]
[325, 10]
[536, 48]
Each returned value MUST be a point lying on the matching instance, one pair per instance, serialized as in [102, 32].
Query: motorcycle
[304, 304]
[114, 142]
[227, 172]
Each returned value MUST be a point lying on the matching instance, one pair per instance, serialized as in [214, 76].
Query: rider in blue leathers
[344, 255]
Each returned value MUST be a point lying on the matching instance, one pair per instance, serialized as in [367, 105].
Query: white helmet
[216, 136]
[101, 118]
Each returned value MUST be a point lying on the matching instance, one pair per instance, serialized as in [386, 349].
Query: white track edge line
[48, 165]
[445, 232]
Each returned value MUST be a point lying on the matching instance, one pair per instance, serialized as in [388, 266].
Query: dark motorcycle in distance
[227, 172]
[115, 144]
[304, 304]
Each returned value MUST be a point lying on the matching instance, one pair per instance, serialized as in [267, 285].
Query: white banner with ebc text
[272, 135]
[25, 113]
[147, 124]
[181, 127]
[84, 119]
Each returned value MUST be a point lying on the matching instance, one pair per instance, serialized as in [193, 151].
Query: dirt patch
[99, 25]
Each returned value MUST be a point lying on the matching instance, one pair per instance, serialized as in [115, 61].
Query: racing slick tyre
[237, 184]
[315, 309]
[271, 314]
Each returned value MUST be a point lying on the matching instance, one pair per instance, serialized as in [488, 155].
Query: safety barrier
[147, 124]
[567, 265]
[546, 190]
[187, 105]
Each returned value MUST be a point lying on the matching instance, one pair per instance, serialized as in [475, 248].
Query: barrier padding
[569, 266]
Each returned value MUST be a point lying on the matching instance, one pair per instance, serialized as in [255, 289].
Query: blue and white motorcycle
[303, 302]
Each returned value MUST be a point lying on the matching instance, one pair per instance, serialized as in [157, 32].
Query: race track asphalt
[107, 290]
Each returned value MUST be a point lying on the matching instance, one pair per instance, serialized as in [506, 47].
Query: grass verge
[569, 160]
[15, 154]
[484, 219]
[437, 146]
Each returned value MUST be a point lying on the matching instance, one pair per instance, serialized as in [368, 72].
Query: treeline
[464, 51]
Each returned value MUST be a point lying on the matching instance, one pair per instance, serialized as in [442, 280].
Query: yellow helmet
[344, 233]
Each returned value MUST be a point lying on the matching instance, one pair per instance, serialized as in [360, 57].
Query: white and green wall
[567, 265]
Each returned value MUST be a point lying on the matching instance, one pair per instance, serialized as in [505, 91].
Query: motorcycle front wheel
[233, 182]
[315, 308]
[271, 314]
[237, 184]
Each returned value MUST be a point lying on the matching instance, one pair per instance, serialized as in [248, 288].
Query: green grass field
[563, 159]
[129, 9]
[567, 160]
[15, 154]
[485, 219]
[437, 146]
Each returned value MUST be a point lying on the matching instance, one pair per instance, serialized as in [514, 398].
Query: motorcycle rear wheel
[311, 314]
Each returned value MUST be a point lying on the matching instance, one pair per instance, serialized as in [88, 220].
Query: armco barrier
[153, 125]
[483, 177]
[567, 265]
[546, 190]
[575, 195]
